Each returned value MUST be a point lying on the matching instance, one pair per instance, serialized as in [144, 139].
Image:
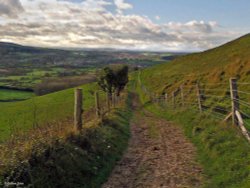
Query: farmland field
[12, 95]
[39, 111]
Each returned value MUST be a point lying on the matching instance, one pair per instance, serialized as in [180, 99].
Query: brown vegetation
[50, 85]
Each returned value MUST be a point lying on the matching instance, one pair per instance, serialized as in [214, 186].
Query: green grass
[30, 77]
[38, 111]
[81, 160]
[9, 95]
[215, 66]
[222, 150]
[212, 69]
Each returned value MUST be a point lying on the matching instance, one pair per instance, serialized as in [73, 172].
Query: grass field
[38, 111]
[78, 159]
[9, 95]
[30, 77]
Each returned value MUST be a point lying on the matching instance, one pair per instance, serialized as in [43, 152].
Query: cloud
[54, 23]
[10, 8]
[157, 17]
[121, 5]
[195, 26]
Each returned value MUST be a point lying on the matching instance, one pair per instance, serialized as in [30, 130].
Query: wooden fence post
[97, 104]
[173, 98]
[182, 95]
[166, 98]
[199, 97]
[114, 100]
[108, 101]
[234, 99]
[241, 125]
[78, 110]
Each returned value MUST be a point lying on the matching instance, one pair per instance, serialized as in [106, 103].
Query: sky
[155, 25]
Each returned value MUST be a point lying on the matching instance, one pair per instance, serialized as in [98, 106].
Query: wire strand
[242, 92]
[242, 102]
[243, 83]
[205, 95]
[213, 90]
[221, 109]
[248, 116]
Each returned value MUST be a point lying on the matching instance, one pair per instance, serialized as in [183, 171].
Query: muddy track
[158, 155]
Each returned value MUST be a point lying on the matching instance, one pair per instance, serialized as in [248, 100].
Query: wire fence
[37, 113]
[221, 101]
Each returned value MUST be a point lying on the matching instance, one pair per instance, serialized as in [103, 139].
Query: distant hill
[16, 54]
[6, 48]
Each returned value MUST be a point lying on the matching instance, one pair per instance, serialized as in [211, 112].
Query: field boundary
[195, 95]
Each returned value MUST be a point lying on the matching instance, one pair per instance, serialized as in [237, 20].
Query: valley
[163, 123]
[23, 67]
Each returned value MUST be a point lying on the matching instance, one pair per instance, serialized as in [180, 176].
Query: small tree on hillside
[113, 79]
[106, 81]
[121, 79]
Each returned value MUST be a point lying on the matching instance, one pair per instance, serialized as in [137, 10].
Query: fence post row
[78, 110]
[97, 104]
[199, 97]
[235, 100]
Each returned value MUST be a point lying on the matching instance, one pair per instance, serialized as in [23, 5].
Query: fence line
[199, 96]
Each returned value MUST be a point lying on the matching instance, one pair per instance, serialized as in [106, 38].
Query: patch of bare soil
[158, 155]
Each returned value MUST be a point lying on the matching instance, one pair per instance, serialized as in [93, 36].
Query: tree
[106, 80]
[113, 79]
[121, 79]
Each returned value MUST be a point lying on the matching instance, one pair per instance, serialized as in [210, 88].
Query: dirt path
[158, 156]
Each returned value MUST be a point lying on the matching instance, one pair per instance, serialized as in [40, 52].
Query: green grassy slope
[212, 69]
[222, 149]
[39, 111]
[213, 66]
[9, 95]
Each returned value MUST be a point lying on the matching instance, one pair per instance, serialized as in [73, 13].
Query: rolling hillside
[212, 66]
[222, 149]
[212, 69]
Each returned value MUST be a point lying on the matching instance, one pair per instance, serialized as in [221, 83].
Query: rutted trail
[158, 156]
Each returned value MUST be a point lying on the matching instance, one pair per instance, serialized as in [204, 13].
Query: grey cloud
[78, 26]
[10, 8]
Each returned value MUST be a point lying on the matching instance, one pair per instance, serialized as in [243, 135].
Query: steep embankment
[222, 150]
